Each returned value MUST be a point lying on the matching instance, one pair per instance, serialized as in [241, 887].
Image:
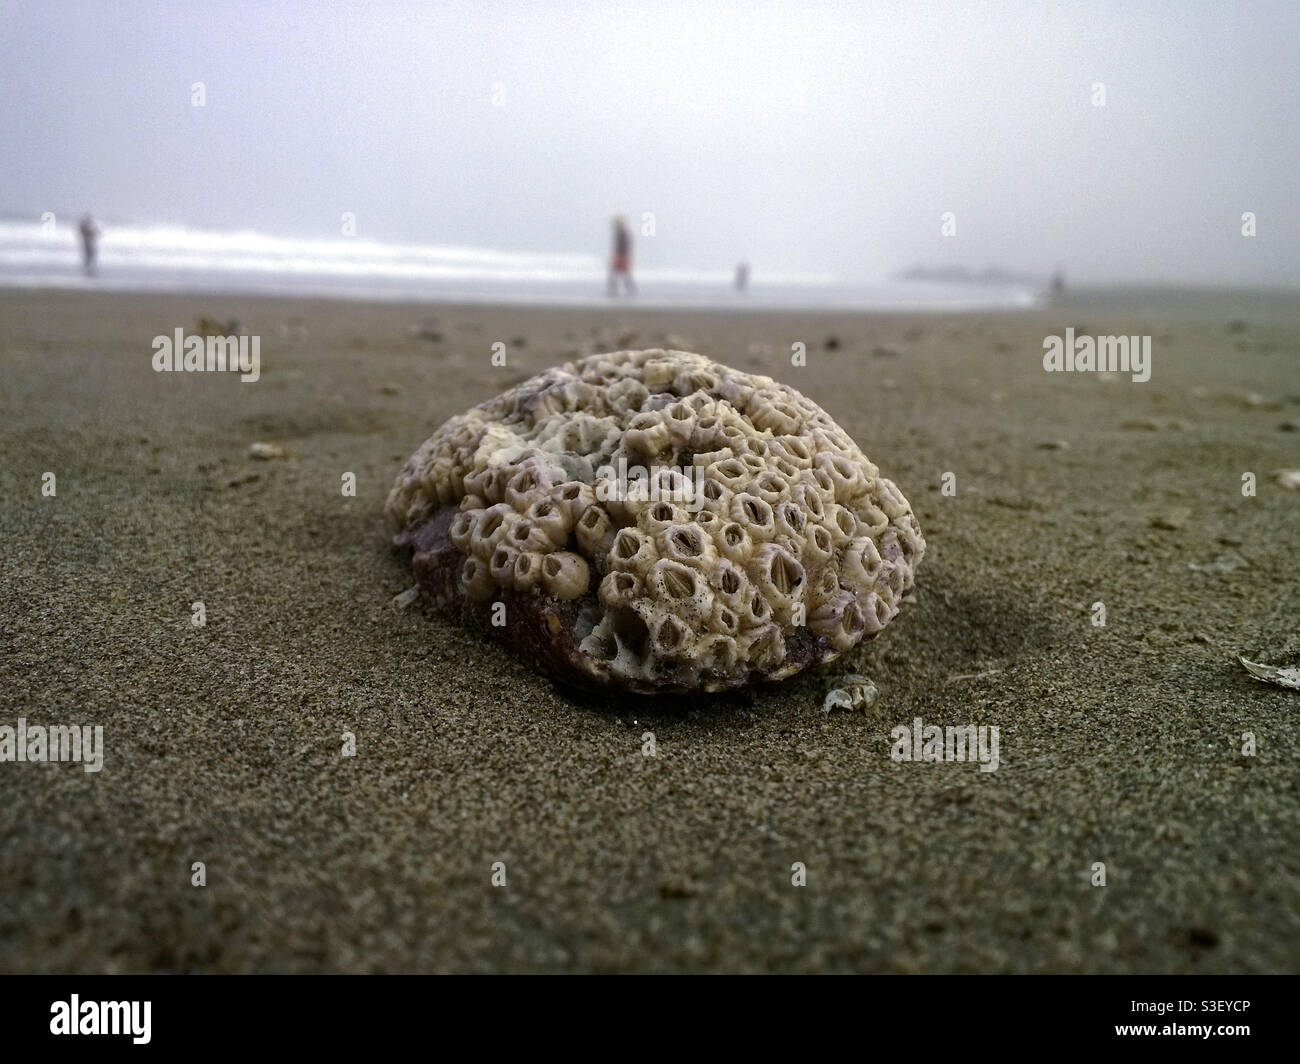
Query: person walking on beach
[620, 264]
[89, 244]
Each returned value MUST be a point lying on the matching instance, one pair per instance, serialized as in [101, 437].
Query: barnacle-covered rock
[656, 521]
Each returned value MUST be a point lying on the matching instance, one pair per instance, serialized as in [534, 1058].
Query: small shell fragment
[403, 601]
[851, 692]
[1287, 677]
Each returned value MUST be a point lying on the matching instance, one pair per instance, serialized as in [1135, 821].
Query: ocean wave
[175, 257]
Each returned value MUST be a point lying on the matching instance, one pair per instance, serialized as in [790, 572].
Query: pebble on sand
[427, 330]
[1227, 562]
[1171, 520]
[1255, 401]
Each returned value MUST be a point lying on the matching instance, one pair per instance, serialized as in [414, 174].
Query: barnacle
[657, 521]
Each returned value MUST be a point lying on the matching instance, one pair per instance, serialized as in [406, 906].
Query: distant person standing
[89, 244]
[742, 277]
[620, 264]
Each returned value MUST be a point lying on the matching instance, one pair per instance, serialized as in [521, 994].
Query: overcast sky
[801, 136]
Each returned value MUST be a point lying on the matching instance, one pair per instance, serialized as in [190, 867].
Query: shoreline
[1186, 299]
[702, 299]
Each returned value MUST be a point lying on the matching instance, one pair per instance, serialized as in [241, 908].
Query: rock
[294, 329]
[1224, 563]
[213, 327]
[1172, 520]
[1255, 401]
[787, 550]
[427, 330]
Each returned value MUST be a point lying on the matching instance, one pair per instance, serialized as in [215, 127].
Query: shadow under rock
[950, 626]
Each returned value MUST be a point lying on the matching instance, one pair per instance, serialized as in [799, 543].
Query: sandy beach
[1120, 744]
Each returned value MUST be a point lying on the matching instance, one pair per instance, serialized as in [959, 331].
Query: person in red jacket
[620, 263]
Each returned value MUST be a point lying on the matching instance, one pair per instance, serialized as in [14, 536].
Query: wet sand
[1119, 744]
